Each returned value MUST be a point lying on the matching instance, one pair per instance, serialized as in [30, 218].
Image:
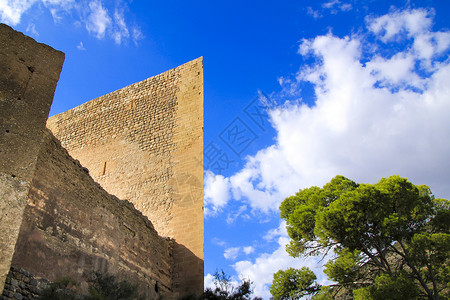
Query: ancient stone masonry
[72, 226]
[142, 144]
[21, 284]
[28, 75]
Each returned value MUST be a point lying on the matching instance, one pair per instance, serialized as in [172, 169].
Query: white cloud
[261, 270]
[413, 24]
[261, 179]
[276, 232]
[210, 282]
[373, 116]
[313, 13]
[137, 35]
[231, 253]
[93, 14]
[346, 7]
[330, 4]
[31, 29]
[216, 192]
[80, 46]
[399, 22]
[248, 250]
[58, 7]
[335, 6]
[100, 23]
[65, 4]
[11, 11]
[121, 30]
[219, 242]
[231, 218]
[98, 20]
[396, 72]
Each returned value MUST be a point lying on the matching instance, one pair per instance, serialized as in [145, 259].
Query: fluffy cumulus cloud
[248, 250]
[209, 281]
[261, 271]
[231, 253]
[216, 192]
[381, 107]
[98, 19]
[376, 113]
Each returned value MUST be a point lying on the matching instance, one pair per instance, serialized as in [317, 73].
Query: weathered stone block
[8, 293]
[14, 283]
[18, 296]
[28, 75]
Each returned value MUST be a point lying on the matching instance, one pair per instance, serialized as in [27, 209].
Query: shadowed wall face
[144, 143]
[29, 72]
[72, 227]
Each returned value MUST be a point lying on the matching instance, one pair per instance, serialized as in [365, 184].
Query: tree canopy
[388, 240]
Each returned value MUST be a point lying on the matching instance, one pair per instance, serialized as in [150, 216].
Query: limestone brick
[144, 143]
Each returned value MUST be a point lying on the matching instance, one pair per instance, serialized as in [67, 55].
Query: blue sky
[314, 89]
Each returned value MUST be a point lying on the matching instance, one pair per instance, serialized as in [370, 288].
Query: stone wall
[29, 72]
[22, 285]
[72, 227]
[144, 143]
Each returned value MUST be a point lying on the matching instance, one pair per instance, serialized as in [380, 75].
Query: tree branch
[416, 272]
[374, 259]
[433, 280]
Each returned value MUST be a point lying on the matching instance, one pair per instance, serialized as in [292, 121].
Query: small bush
[63, 289]
[101, 287]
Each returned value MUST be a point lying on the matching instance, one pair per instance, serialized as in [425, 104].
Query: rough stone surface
[29, 72]
[21, 284]
[144, 143]
[73, 227]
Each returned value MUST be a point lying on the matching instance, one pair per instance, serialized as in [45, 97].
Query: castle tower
[144, 143]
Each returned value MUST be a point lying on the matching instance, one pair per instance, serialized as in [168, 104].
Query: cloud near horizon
[261, 271]
[381, 107]
[94, 15]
